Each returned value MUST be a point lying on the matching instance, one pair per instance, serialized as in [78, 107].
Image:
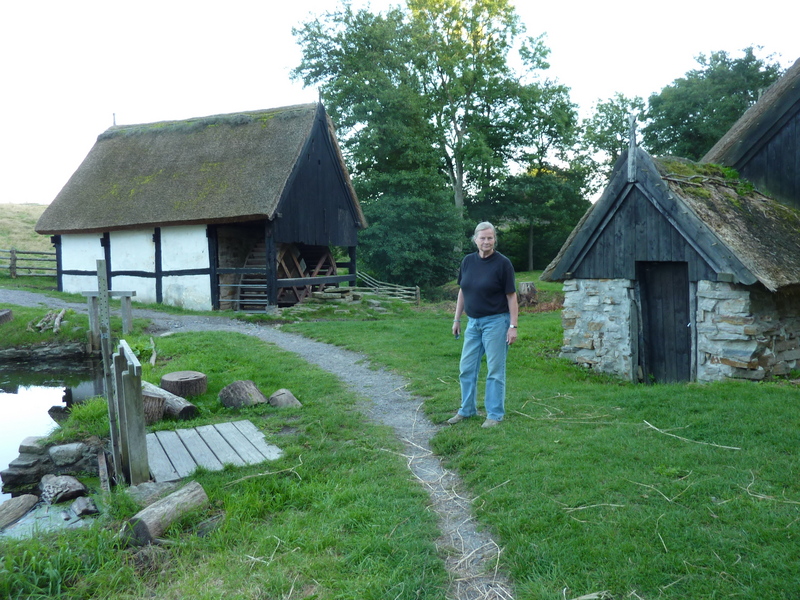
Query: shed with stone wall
[681, 272]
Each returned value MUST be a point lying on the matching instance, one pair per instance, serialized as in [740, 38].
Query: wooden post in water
[104, 322]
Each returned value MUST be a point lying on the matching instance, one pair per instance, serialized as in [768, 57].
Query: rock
[6, 315]
[32, 445]
[59, 488]
[59, 414]
[83, 507]
[241, 393]
[283, 398]
[14, 509]
[67, 454]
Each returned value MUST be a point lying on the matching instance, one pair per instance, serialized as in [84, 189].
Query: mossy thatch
[219, 169]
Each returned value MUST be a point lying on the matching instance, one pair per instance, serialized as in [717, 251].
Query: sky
[70, 70]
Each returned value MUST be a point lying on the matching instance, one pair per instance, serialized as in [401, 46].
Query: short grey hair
[484, 225]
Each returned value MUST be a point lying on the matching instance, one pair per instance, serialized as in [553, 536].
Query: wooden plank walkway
[174, 455]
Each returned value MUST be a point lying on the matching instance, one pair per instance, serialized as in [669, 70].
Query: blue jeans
[485, 335]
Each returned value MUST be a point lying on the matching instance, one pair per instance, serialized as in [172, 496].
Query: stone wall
[37, 459]
[599, 317]
[745, 332]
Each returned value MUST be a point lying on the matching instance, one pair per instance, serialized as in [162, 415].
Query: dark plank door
[666, 334]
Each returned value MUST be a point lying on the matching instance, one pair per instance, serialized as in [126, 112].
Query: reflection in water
[28, 391]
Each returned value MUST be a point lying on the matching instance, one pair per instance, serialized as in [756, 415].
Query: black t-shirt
[485, 282]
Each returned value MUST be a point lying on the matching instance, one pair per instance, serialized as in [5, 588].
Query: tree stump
[528, 295]
[150, 523]
[185, 383]
[6, 315]
[174, 406]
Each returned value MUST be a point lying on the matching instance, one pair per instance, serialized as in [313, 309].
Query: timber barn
[681, 272]
[237, 211]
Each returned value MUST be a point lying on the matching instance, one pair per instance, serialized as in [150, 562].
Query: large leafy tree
[426, 89]
[688, 116]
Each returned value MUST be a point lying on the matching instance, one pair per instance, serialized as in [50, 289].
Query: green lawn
[591, 484]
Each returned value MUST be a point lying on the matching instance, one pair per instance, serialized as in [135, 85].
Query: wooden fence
[390, 290]
[28, 263]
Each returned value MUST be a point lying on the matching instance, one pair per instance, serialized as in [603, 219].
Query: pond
[29, 390]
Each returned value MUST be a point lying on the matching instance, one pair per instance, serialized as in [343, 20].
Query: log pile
[52, 320]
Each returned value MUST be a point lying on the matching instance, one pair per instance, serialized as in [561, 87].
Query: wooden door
[666, 321]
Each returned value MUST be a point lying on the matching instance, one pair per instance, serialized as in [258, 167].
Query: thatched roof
[762, 233]
[756, 122]
[218, 169]
[740, 230]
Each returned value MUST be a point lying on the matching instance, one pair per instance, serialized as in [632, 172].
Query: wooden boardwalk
[176, 454]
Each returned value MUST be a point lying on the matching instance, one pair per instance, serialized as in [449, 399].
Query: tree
[428, 89]
[690, 115]
[412, 241]
[543, 206]
[606, 132]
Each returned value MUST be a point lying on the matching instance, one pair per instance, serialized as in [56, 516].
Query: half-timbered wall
[638, 232]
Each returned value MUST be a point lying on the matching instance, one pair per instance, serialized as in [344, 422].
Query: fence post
[13, 264]
[130, 412]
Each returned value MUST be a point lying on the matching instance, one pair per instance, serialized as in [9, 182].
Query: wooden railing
[390, 290]
[28, 263]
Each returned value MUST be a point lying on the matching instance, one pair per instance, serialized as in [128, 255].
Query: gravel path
[472, 556]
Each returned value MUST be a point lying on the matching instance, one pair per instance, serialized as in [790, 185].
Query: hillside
[16, 227]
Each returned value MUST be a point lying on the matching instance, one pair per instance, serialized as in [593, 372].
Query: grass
[591, 484]
[336, 517]
[16, 228]
[585, 496]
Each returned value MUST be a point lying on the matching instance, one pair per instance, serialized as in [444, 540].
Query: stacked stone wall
[598, 318]
[745, 332]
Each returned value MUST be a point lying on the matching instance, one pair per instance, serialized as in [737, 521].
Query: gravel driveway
[471, 554]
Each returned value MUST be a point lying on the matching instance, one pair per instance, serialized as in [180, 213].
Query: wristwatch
[512, 326]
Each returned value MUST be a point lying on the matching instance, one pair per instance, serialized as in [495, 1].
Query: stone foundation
[743, 332]
[599, 317]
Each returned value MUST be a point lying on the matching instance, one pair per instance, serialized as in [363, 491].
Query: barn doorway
[666, 333]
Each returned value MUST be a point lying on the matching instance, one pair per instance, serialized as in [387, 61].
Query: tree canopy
[687, 117]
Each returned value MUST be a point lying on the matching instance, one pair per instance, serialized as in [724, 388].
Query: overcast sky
[67, 67]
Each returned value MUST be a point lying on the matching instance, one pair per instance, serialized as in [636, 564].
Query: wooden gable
[318, 205]
[642, 221]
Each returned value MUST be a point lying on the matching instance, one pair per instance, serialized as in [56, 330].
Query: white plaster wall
[184, 247]
[133, 251]
[145, 287]
[80, 252]
[192, 292]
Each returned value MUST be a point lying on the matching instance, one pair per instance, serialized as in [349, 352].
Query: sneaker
[490, 423]
[456, 419]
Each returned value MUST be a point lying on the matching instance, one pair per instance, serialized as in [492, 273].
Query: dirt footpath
[471, 554]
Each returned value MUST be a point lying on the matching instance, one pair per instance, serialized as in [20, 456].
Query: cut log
[185, 383]
[150, 523]
[174, 406]
[6, 315]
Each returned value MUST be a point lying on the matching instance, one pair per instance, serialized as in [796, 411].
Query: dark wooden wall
[638, 232]
[773, 165]
[317, 208]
